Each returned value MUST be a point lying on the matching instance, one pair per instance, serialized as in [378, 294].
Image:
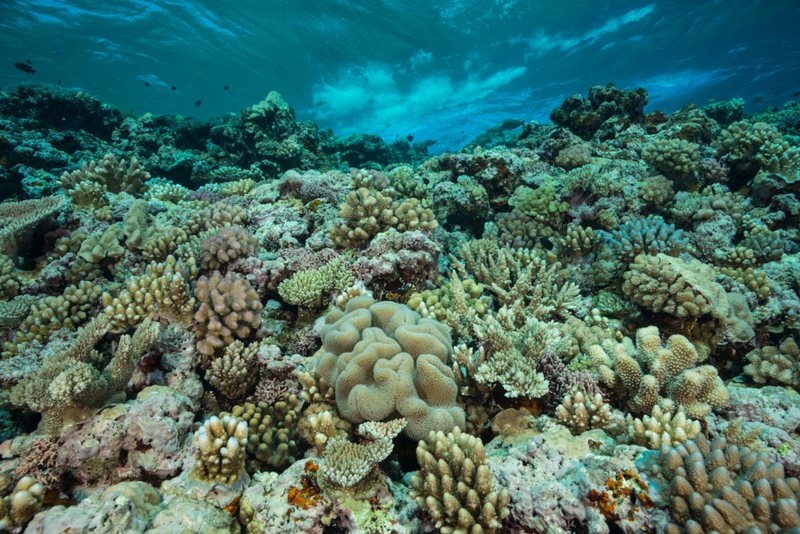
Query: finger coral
[227, 245]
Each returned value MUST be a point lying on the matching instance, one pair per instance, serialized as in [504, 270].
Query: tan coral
[19, 219]
[775, 365]
[662, 428]
[455, 486]
[235, 373]
[109, 172]
[581, 412]
[221, 451]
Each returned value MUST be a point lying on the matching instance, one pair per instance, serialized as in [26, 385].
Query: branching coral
[672, 156]
[308, 288]
[109, 172]
[229, 307]
[235, 372]
[662, 428]
[227, 245]
[649, 373]
[581, 411]
[762, 141]
[650, 235]
[775, 365]
[352, 468]
[69, 387]
[455, 486]
[18, 220]
[221, 451]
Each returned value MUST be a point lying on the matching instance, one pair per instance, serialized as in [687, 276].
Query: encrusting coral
[455, 487]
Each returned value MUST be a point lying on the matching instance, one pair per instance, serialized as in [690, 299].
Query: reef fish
[510, 124]
[428, 142]
[546, 243]
[410, 137]
[320, 103]
[197, 104]
[226, 87]
[759, 99]
[25, 68]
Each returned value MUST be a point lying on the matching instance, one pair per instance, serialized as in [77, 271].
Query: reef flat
[248, 325]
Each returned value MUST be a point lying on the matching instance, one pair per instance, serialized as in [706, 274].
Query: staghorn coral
[382, 358]
[673, 157]
[221, 451]
[308, 288]
[162, 289]
[515, 352]
[649, 235]
[581, 411]
[455, 487]
[573, 157]
[717, 487]
[227, 245]
[775, 365]
[109, 172]
[351, 469]
[271, 432]
[662, 428]
[19, 219]
[649, 374]
[235, 372]
[229, 307]
[69, 388]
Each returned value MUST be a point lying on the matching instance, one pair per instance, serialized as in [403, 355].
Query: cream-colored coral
[759, 246]
[235, 373]
[648, 373]
[163, 288]
[662, 428]
[69, 387]
[102, 244]
[319, 424]
[219, 215]
[762, 141]
[229, 307]
[9, 280]
[349, 468]
[308, 288]
[19, 506]
[657, 189]
[88, 195]
[227, 245]
[53, 313]
[19, 219]
[167, 191]
[239, 187]
[573, 157]
[775, 365]
[13, 312]
[455, 486]
[581, 411]
[672, 156]
[315, 389]
[109, 172]
[221, 450]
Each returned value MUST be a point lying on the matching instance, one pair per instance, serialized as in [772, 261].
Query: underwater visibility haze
[467, 267]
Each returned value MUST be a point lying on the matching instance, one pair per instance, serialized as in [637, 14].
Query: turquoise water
[429, 69]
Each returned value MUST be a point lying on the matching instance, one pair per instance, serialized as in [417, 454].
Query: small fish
[226, 87]
[759, 98]
[428, 142]
[546, 243]
[498, 128]
[410, 138]
[396, 136]
[197, 103]
[28, 61]
[59, 81]
[320, 103]
[511, 124]
[174, 88]
[462, 131]
[25, 68]
[388, 125]
[59, 52]
[298, 89]
[796, 93]
[147, 84]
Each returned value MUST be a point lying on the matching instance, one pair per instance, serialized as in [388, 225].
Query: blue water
[428, 68]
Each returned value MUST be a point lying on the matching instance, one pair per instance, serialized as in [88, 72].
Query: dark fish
[388, 125]
[28, 61]
[396, 136]
[410, 138]
[498, 128]
[147, 84]
[298, 89]
[320, 103]
[25, 67]
[59, 81]
[174, 88]
[759, 98]
[796, 93]
[197, 103]
[428, 142]
[546, 243]
[462, 131]
[510, 124]
[226, 87]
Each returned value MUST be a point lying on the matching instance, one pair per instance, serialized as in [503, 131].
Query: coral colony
[249, 325]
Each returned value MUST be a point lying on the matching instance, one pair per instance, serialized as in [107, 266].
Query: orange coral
[309, 494]
[626, 485]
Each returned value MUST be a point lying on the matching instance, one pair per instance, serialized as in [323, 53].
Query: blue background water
[428, 68]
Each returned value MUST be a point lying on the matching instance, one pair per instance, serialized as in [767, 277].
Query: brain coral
[383, 359]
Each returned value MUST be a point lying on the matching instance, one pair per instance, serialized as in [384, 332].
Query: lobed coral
[109, 172]
[227, 245]
[775, 365]
[673, 157]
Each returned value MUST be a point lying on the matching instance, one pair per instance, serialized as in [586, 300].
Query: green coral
[306, 288]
